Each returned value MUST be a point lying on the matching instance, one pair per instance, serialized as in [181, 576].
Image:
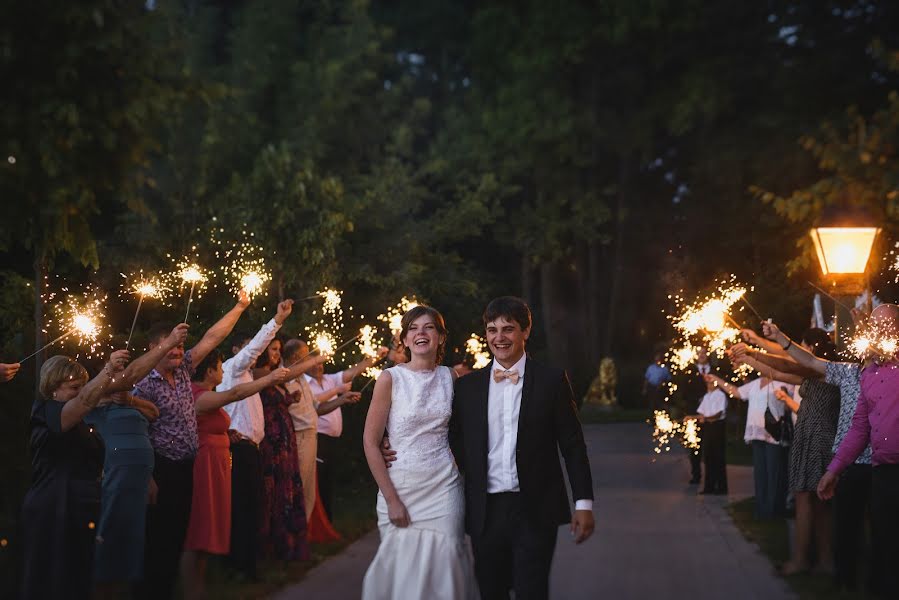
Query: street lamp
[843, 241]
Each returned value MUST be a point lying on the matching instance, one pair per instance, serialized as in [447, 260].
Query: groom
[508, 425]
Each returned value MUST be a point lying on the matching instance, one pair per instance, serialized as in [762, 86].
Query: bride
[420, 503]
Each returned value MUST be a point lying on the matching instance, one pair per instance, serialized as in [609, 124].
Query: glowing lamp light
[843, 241]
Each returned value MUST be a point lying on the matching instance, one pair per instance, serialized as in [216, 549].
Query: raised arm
[751, 337]
[210, 401]
[218, 332]
[796, 352]
[75, 409]
[375, 425]
[142, 365]
[245, 359]
[339, 395]
[729, 388]
[299, 368]
[754, 361]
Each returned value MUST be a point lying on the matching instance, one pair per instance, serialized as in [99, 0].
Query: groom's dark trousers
[513, 534]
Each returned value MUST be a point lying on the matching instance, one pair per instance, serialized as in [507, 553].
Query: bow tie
[499, 375]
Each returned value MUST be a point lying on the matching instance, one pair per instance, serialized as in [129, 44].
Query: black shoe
[694, 482]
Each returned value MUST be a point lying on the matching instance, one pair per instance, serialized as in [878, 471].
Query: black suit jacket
[547, 424]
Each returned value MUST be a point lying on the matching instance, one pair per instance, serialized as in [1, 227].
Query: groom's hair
[510, 307]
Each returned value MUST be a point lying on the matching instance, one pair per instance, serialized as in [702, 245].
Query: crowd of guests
[144, 471]
[825, 446]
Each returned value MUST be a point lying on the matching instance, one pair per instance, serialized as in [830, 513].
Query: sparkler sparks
[666, 430]
[706, 323]
[332, 300]
[80, 317]
[873, 341]
[366, 342]
[144, 288]
[476, 346]
[192, 274]
[393, 317]
[324, 342]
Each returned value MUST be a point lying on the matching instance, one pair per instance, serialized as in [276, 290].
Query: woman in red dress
[209, 529]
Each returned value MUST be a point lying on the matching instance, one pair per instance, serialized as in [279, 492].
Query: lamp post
[843, 239]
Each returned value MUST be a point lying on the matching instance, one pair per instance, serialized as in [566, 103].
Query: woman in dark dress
[283, 531]
[61, 508]
[810, 448]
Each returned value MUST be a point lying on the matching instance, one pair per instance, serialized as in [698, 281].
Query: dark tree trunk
[618, 257]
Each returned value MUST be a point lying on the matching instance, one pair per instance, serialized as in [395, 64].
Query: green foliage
[85, 87]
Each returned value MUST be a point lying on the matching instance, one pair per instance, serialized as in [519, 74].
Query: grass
[354, 516]
[772, 538]
[738, 451]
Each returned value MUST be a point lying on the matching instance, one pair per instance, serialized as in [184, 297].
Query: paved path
[655, 538]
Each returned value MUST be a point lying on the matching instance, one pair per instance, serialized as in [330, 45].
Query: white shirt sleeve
[747, 389]
[583, 505]
[245, 359]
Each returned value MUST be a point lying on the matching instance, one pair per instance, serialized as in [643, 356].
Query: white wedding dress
[429, 558]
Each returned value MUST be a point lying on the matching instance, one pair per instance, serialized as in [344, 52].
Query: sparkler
[666, 430]
[874, 341]
[144, 288]
[393, 317]
[82, 321]
[706, 322]
[242, 263]
[372, 373]
[324, 342]
[476, 346]
[332, 300]
[366, 342]
[691, 437]
[193, 275]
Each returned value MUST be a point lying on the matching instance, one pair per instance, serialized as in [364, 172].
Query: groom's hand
[388, 453]
[582, 525]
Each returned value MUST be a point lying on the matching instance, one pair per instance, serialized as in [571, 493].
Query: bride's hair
[419, 311]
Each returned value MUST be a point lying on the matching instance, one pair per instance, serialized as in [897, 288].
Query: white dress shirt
[302, 412]
[503, 409]
[332, 423]
[246, 415]
[713, 402]
[759, 399]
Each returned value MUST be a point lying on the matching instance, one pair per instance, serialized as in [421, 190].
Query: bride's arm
[375, 425]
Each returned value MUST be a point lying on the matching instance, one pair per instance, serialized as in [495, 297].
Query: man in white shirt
[711, 416]
[332, 391]
[246, 431]
[523, 414]
[305, 420]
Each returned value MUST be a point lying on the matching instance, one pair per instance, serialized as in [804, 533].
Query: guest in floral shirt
[175, 441]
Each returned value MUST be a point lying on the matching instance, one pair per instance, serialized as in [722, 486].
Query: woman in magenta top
[209, 528]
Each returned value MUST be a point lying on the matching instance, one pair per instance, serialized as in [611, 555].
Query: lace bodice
[418, 423]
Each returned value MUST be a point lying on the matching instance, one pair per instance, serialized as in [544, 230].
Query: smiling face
[273, 353]
[506, 340]
[172, 359]
[422, 337]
